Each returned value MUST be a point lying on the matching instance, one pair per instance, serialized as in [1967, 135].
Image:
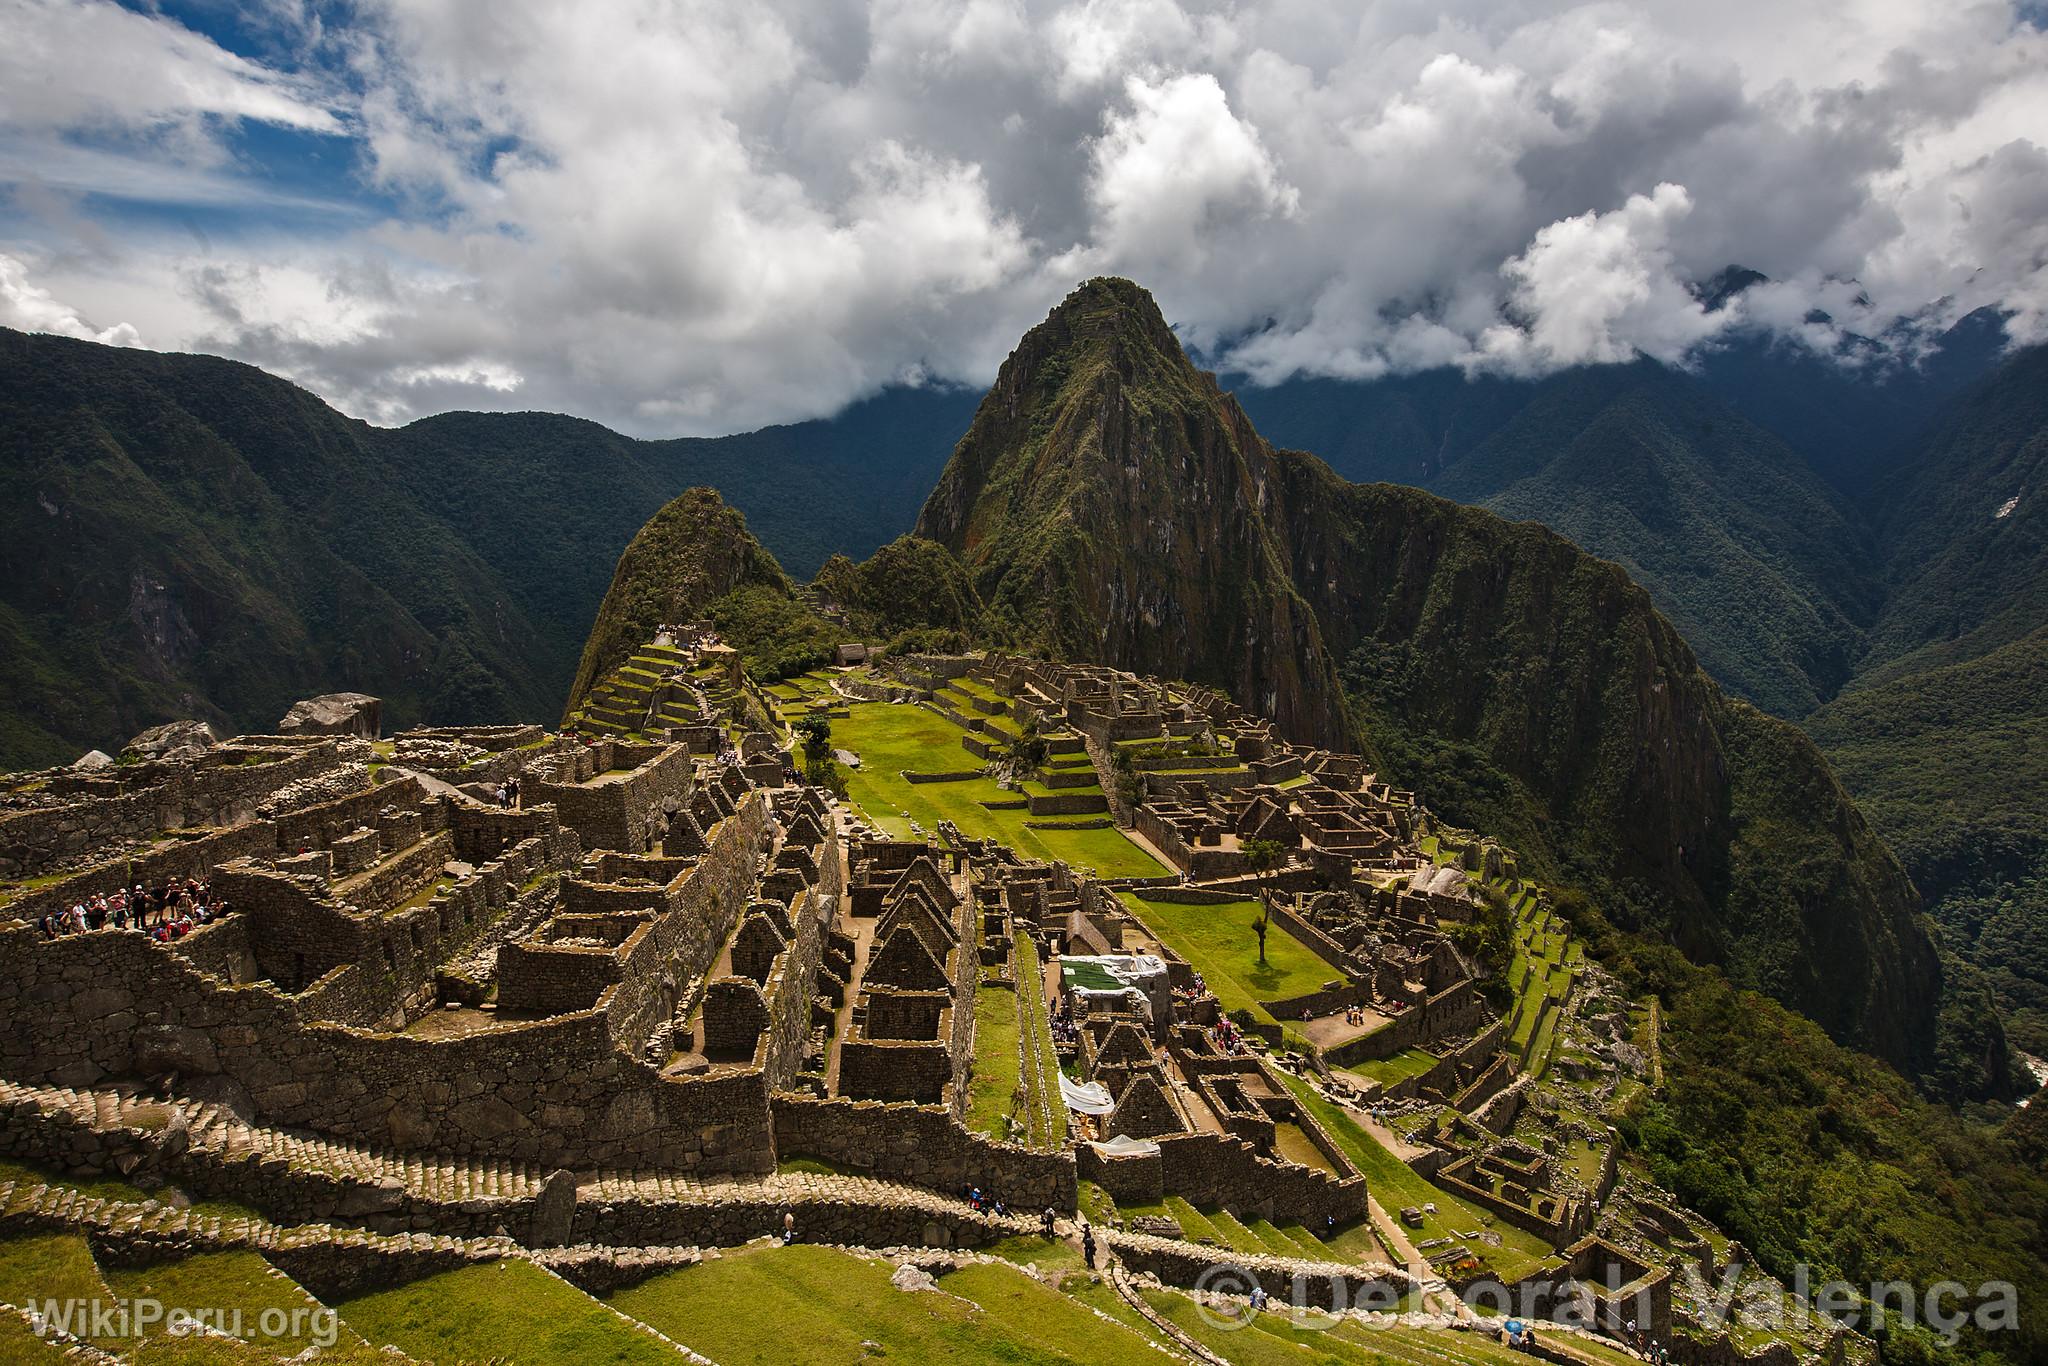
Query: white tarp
[1123, 1145]
[1088, 1098]
[1126, 969]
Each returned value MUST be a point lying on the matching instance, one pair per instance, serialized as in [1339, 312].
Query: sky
[695, 216]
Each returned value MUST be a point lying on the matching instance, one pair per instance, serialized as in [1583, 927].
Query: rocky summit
[1170, 885]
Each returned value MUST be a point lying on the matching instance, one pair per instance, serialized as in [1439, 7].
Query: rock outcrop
[335, 713]
[173, 741]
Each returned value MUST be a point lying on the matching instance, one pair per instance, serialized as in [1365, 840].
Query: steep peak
[1108, 329]
[691, 553]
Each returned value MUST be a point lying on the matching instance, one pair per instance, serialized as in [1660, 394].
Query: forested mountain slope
[189, 536]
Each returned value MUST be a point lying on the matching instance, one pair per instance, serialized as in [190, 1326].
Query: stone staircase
[468, 1190]
[35, 1205]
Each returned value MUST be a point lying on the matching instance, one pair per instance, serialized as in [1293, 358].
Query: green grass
[1395, 1185]
[223, 1281]
[1391, 1071]
[1218, 942]
[19, 1343]
[1292, 1143]
[816, 1305]
[1041, 1082]
[891, 739]
[510, 1309]
[48, 1266]
[992, 1093]
[91, 1187]
[1054, 1255]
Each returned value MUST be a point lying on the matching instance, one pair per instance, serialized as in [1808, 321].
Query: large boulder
[173, 741]
[93, 760]
[335, 713]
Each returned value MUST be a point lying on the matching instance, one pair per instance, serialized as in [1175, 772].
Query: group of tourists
[165, 913]
[1646, 1346]
[1354, 1015]
[507, 792]
[982, 1204]
[1064, 1029]
[1227, 1037]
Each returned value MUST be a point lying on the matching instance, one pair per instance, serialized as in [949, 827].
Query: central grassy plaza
[893, 739]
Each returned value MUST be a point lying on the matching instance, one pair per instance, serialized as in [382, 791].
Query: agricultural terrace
[891, 739]
[1547, 961]
[1217, 941]
[1254, 1237]
[833, 1306]
[1396, 1186]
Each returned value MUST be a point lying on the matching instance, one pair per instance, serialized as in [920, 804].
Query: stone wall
[920, 1146]
[142, 801]
[630, 812]
[1213, 1169]
[701, 911]
[896, 1069]
[1456, 1008]
[1318, 1285]
[88, 1008]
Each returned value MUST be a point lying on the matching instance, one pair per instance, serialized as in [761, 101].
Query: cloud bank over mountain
[707, 218]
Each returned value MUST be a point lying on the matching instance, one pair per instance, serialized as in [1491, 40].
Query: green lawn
[1391, 1071]
[1395, 1186]
[816, 1305]
[48, 1266]
[229, 1282]
[1218, 942]
[992, 1093]
[890, 739]
[1274, 1339]
[511, 1310]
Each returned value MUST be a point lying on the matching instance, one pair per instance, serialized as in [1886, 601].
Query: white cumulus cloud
[32, 309]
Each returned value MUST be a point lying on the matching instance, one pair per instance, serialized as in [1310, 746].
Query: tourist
[788, 1227]
[1087, 1245]
[1045, 1223]
[1258, 1297]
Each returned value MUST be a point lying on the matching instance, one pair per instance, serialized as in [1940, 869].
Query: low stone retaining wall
[1320, 1285]
[1068, 804]
[920, 1145]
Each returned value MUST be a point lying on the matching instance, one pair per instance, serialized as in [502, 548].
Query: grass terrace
[1218, 942]
[1396, 1186]
[227, 1281]
[993, 1092]
[1392, 1071]
[833, 1306]
[509, 1311]
[891, 739]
